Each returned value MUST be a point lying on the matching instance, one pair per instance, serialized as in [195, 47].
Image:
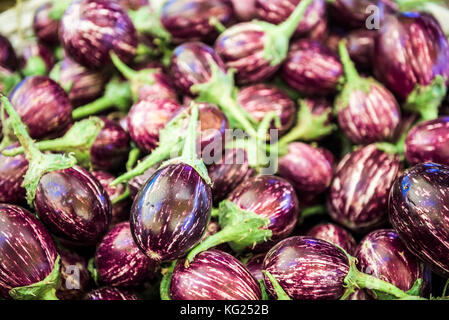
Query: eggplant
[119, 261]
[42, 105]
[213, 275]
[190, 20]
[311, 68]
[278, 11]
[75, 276]
[359, 191]
[428, 141]
[360, 44]
[45, 24]
[12, 170]
[136, 183]
[37, 60]
[244, 10]
[110, 293]
[90, 29]
[418, 213]
[132, 4]
[255, 265]
[8, 57]
[334, 234]
[27, 256]
[382, 254]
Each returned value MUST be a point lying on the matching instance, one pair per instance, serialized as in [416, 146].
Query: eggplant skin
[359, 191]
[12, 172]
[27, 251]
[79, 284]
[307, 268]
[419, 212]
[213, 275]
[334, 234]
[8, 57]
[255, 265]
[171, 212]
[45, 28]
[110, 293]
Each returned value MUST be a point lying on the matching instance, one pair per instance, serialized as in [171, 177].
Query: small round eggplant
[244, 10]
[213, 275]
[382, 254]
[136, 183]
[428, 141]
[255, 265]
[37, 60]
[42, 105]
[162, 87]
[334, 234]
[75, 277]
[311, 68]
[45, 27]
[90, 29]
[261, 99]
[119, 261]
[190, 65]
[110, 293]
[190, 20]
[8, 57]
[418, 208]
[171, 212]
[359, 191]
[132, 4]
[360, 44]
[27, 252]
[12, 171]
[73, 205]
[147, 117]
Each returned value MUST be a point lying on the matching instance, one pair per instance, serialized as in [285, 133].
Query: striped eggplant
[359, 191]
[132, 4]
[311, 68]
[428, 141]
[119, 261]
[244, 10]
[73, 205]
[110, 293]
[45, 24]
[27, 252]
[334, 234]
[8, 57]
[255, 265]
[213, 275]
[91, 29]
[190, 20]
[162, 87]
[419, 213]
[382, 254]
[360, 44]
[136, 183]
[42, 105]
[36, 60]
[75, 277]
[12, 170]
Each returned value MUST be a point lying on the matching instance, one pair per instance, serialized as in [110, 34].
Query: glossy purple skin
[360, 47]
[418, 208]
[359, 191]
[120, 210]
[171, 212]
[308, 169]
[334, 234]
[382, 254]
[213, 275]
[8, 58]
[311, 68]
[428, 141]
[87, 85]
[90, 29]
[110, 149]
[73, 205]
[270, 197]
[255, 265]
[228, 173]
[80, 279]
[45, 28]
[260, 99]
[410, 49]
[189, 20]
[110, 293]
[307, 268]
[136, 183]
[42, 105]
[244, 10]
[12, 171]
[368, 117]
[118, 259]
[189, 65]
[241, 48]
[147, 117]
[38, 50]
[277, 11]
[27, 252]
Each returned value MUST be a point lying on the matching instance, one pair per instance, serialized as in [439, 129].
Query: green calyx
[39, 163]
[166, 280]
[280, 293]
[35, 66]
[8, 82]
[42, 290]
[239, 228]
[58, 8]
[147, 21]
[93, 270]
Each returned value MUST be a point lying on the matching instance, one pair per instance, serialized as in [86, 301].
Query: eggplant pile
[225, 150]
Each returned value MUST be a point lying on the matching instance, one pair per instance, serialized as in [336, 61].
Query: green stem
[58, 9]
[407, 5]
[9, 81]
[35, 66]
[166, 281]
[93, 107]
[280, 293]
[147, 21]
[288, 27]
[123, 196]
[350, 70]
[126, 71]
[445, 288]
[265, 295]
[213, 21]
[132, 158]
[318, 209]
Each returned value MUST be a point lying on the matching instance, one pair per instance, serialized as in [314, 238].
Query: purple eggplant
[74, 275]
[43, 106]
[119, 261]
[311, 68]
[190, 20]
[110, 293]
[244, 10]
[360, 44]
[334, 234]
[320, 32]
[12, 170]
[8, 57]
[382, 254]
[36, 60]
[27, 253]
[132, 4]
[213, 275]
[428, 141]
[359, 191]
[45, 25]
[261, 99]
[255, 266]
[278, 11]
[90, 29]
[136, 183]
[419, 213]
